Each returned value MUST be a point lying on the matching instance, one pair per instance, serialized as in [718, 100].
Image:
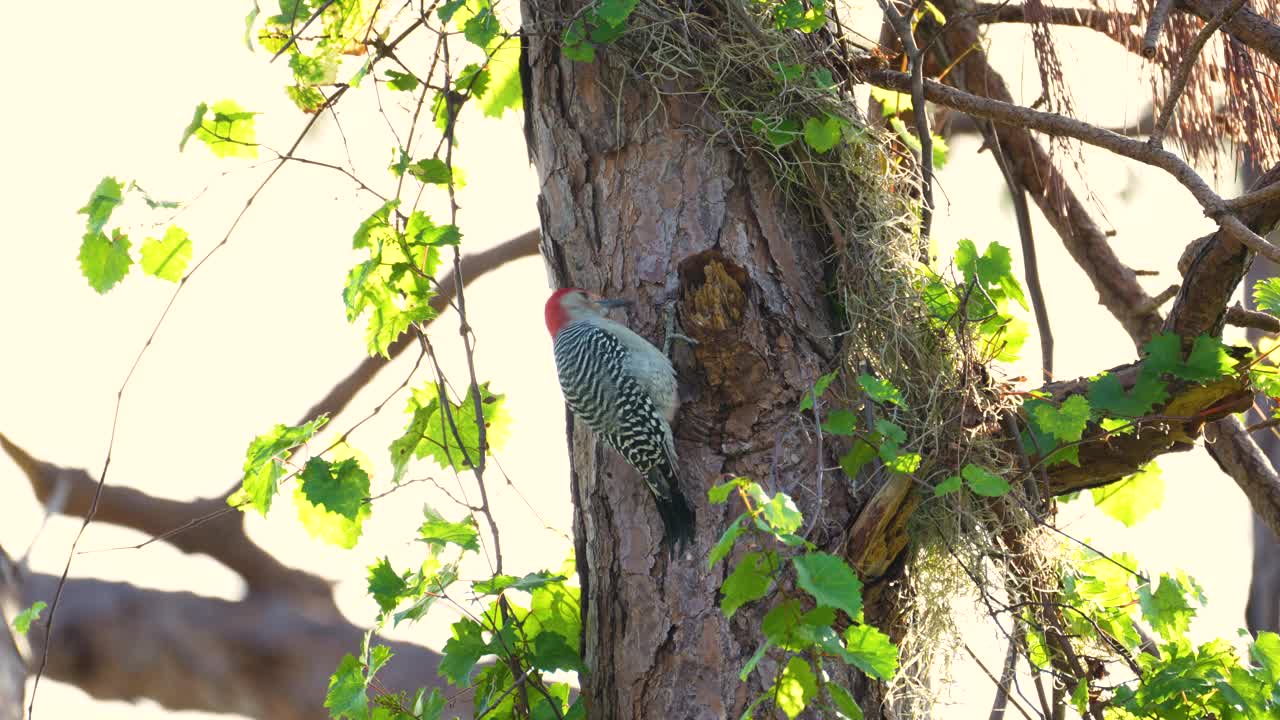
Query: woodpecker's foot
[671, 333]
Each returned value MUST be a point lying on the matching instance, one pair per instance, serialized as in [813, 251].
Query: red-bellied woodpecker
[624, 389]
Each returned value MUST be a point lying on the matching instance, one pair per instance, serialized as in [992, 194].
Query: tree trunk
[636, 203]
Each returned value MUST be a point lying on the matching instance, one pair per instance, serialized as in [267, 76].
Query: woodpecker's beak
[612, 303]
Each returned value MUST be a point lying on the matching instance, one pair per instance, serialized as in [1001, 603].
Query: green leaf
[167, 258]
[556, 608]
[881, 391]
[1167, 610]
[196, 121]
[941, 151]
[505, 92]
[1209, 360]
[948, 486]
[1164, 353]
[106, 197]
[438, 532]
[830, 581]
[841, 422]
[823, 134]
[871, 651]
[780, 625]
[749, 581]
[1066, 423]
[446, 11]
[778, 132]
[386, 586]
[781, 514]
[820, 388]
[1266, 650]
[725, 544]
[407, 82]
[230, 133]
[1133, 498]
[575, 45]
[462, 652]
[346, 697]
[860, 454]
[1266, 295]
[434, 431]
[432, 171]
[844, 702]
[308, 70]
[502, 583]
[552, 652]
[891, 102]
[1107, 395]
[614, 12]
[984, 482]
[308, 99]
[262, 465]
[104, 262]
[720, 493]
[332, 500]
[891, 430]
[22, 621]
[796, 687]
[482, 27]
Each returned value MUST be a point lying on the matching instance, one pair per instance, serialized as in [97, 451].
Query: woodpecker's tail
[677, 515]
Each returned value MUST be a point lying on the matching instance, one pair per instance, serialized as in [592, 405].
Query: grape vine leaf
[332, 500]
[830, 581]
[23, 620]
[749, 581]
[1065, 423]
[262, 465]
[167, 258]
[106, 197]
[1266, 295]
[105, 261]
[796, 687]
[1133, 498]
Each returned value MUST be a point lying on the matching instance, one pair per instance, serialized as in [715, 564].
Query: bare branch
[1266, 194]
[1247, 26]
[1240, 317]
[222, 537]
[1239, 456]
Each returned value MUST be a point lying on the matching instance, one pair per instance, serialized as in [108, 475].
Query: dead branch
[261, 657]
[1240, 317]
[1155, 24]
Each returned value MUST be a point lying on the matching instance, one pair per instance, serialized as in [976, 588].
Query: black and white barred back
[591, 364]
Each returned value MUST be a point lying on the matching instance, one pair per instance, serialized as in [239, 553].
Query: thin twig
[1189, 60]
[294, 37]
[1000, 686]
[915, 56]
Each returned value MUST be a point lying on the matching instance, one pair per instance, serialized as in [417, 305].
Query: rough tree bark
[635, 203]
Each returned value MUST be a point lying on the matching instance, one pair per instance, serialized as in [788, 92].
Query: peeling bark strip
[635, 203]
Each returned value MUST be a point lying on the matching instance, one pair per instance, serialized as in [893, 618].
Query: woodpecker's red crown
[557, 315]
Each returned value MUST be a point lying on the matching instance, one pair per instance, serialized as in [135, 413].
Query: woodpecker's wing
[601, 391]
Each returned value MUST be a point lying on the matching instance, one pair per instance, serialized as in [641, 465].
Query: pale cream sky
[259, 334]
